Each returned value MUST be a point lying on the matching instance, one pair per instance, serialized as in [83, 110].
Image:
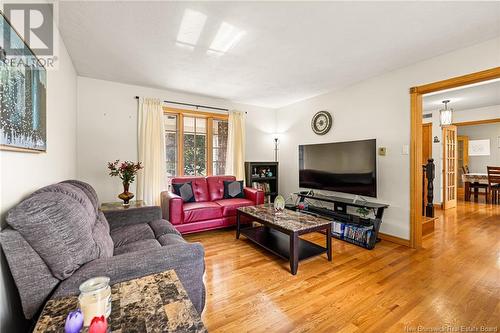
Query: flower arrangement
[126, 171]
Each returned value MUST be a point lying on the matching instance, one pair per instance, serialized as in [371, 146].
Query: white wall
[107, 128]
[483, 132]
[377, 108]
[22, 173]
[484, 113]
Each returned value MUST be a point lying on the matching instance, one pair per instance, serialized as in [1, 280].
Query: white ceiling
[290, 51]
[473, 97]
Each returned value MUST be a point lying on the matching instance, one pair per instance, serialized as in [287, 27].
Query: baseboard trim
[394, 239]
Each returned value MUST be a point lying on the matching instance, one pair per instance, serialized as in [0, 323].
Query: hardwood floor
[453, 281]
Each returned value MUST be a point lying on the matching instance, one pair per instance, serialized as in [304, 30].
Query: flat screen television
[348, 167]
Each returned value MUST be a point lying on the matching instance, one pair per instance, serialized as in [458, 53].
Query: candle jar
[95, 299]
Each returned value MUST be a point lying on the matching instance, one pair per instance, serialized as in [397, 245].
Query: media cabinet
[348, 227]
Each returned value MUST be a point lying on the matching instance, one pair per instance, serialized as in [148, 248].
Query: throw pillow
[233, 189]
[185, 191]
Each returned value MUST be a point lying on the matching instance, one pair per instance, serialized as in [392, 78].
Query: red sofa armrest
[172, 207]
[257, 196]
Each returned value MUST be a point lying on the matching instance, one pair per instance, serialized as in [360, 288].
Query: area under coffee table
[280, 233]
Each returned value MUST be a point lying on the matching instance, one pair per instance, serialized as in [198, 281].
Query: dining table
[476, 179]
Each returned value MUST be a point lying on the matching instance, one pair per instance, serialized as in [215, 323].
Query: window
[196, 143]
[219, 146]
[171, 135]
[195, 146]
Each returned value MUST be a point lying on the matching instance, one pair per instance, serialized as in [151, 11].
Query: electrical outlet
[382, 151]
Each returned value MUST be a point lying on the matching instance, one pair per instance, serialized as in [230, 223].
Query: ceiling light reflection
[227, 36]
[191, 27]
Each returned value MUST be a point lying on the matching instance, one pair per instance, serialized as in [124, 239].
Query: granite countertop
[287, 219]
[154, 303]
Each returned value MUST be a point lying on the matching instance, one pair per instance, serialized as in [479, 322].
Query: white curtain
[235, 164]
[151, 145]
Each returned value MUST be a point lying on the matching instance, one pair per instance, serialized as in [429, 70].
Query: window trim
[209, 116]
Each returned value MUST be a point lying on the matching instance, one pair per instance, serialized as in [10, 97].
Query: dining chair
[473, 187]
[494, 183]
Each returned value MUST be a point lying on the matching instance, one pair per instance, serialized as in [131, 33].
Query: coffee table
[280, 232]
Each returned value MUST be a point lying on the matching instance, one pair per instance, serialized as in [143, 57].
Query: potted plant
[126, 171]
[363, 211]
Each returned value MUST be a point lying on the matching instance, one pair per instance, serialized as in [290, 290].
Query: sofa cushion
[140, 245]
[89, 191]
[216, 186]
[186, 259]
[102, 238]
[131, 233]
[200, 211]
[58, 225]
[199, 184]
[76, 193]
[233, 189]
[229, 206]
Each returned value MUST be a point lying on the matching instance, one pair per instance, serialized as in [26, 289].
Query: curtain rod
[194, 105]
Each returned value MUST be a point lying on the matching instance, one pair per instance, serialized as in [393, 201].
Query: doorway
[416, 151]
[463, 161]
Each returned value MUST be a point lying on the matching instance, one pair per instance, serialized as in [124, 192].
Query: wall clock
[322, 122]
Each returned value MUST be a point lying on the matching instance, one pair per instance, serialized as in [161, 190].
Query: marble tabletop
[154, 303]
[119, 205]
[475, 177]
[287, 219]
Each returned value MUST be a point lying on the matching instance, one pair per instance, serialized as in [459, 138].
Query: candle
[95, 299]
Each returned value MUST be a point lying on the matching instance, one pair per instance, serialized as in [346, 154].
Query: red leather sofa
[211, 210]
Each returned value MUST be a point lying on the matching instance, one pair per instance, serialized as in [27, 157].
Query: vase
[279, 204]
[126, 196]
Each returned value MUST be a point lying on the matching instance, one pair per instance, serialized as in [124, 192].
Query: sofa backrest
[32, 276]
[51, 233]
[200, 188]
[216, 186]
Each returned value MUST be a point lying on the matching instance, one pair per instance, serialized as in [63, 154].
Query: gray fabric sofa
[57, 238]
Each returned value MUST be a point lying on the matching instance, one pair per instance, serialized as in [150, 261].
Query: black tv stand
[340, 215]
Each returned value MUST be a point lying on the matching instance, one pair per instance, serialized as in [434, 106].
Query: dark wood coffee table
[280, 232]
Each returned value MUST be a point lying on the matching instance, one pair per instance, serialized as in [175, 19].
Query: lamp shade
[446, 115]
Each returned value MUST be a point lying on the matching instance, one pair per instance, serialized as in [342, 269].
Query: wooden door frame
[416, 94]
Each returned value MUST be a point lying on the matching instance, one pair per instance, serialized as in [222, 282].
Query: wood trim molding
[394, 239]
[416, 141]
[208, 117]
[489, 74]
[209, 146]
[478, 122]
[416, 171]
[180, 146]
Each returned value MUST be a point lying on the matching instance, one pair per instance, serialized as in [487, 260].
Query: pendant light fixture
[445, 115]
